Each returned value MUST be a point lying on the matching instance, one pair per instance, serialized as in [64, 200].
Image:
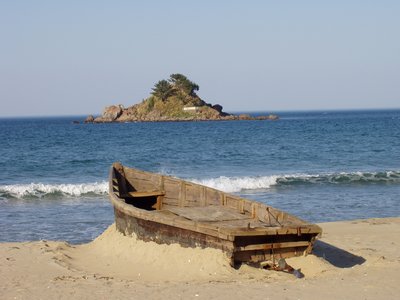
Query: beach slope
[353, 260]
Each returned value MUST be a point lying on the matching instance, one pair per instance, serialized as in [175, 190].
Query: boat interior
[168, 195]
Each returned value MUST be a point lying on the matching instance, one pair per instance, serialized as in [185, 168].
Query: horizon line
[232, 112]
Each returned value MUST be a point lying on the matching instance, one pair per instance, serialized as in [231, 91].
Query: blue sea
[320, 166]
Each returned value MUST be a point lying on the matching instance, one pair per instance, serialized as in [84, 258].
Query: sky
[76, 57]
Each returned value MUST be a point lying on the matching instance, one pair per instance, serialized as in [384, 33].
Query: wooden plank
[146, 194]
[269, 216]
[161, 183]
[232, 202]
[207, 213]
[141, 180]
[247, 206]
[182, 194]
[159, 203]
[240, 231]
[193, 195]
[263, 255]
[241, 206]
[171, 188]
[212, 197]
[254, 210]
[273, 246]
[168, 201]
[203, 196]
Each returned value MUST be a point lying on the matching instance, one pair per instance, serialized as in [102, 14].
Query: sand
[352, 260]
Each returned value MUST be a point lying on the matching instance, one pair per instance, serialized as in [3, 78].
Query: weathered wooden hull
[167, 234]
[245, 235]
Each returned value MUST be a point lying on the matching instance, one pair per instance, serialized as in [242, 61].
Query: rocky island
[174, 99]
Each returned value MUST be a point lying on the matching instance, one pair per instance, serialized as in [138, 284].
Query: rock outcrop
[89, 119]
[110, 114]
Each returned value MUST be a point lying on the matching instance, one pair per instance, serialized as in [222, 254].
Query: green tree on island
[177, 84]
[163, 89]
[182, 83]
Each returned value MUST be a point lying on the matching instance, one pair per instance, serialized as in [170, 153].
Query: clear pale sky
[76, 57]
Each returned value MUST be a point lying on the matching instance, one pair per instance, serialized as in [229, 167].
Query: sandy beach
[352, 260]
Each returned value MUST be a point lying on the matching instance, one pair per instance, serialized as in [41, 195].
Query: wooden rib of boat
[168, 210]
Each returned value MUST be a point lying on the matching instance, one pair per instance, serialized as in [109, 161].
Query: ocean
[320, 166]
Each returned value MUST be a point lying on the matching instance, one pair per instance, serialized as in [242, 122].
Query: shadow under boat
[339, 258]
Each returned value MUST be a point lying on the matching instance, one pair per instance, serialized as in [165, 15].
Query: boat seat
[145, 194]
[140, 196]
[123, 189]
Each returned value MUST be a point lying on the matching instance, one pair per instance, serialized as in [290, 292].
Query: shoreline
[359, 256]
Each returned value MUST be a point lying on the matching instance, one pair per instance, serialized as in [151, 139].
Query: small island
[174, 99]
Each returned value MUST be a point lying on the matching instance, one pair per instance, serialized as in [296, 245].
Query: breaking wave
[227, 184]
[41, 190]
[237, 184]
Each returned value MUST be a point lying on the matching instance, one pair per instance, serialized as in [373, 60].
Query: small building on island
[191, 108]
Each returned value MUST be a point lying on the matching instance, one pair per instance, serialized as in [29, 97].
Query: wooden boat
[168, 210]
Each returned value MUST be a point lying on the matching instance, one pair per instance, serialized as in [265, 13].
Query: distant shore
[361, 257]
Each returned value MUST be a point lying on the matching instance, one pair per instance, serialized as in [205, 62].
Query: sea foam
[238, 184]
[39, 190]
[224, 183]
